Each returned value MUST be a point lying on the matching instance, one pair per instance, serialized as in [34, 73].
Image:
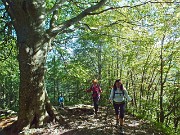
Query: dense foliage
[136, 42]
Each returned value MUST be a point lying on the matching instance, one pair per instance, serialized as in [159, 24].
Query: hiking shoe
[121, 130]
[117, 123]
[95, 113]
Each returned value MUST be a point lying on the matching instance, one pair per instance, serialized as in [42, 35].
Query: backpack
[114, 93]
[61, 99]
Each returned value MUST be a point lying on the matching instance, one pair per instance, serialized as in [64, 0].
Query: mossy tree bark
[32, 42]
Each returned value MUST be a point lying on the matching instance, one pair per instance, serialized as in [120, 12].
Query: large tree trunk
[34, 106]
[32, 57]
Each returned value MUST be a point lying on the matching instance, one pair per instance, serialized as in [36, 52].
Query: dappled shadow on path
[104, 124]
[80, 120]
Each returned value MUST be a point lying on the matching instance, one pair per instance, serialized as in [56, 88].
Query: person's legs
[116, 108]
[62, 104]
[121, 121]
[122, 111]
[95, 100]
[95, 107]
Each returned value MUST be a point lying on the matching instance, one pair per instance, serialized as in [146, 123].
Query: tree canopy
[61, 45]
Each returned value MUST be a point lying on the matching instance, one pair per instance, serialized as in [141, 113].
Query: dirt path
[104, 124]
[81, 121]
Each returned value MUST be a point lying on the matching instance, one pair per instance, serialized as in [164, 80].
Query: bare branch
[171, 111]
[57, 5]
[53, 19]
[118, 22]
[164, 2]
[53, 32]
[138, 5]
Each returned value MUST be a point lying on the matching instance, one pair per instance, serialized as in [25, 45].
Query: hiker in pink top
[96, 90]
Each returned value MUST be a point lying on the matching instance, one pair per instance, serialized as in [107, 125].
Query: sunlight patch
[134, 123]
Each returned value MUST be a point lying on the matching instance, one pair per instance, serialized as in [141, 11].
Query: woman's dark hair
[121, 86]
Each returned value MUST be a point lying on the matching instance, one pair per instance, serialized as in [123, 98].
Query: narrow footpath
[80, 120]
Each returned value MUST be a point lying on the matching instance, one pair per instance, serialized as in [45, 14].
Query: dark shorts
[119, 109]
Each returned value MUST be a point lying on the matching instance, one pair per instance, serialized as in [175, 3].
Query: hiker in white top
[117, 96]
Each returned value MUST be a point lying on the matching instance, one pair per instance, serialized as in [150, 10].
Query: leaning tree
[36, 24]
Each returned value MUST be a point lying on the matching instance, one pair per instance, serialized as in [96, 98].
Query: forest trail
[81, 121]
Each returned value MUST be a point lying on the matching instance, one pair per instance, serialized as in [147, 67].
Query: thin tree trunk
[99, 61]
[54, 80]
[162, 84]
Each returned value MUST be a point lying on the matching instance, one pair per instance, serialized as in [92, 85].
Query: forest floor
[80, 120]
